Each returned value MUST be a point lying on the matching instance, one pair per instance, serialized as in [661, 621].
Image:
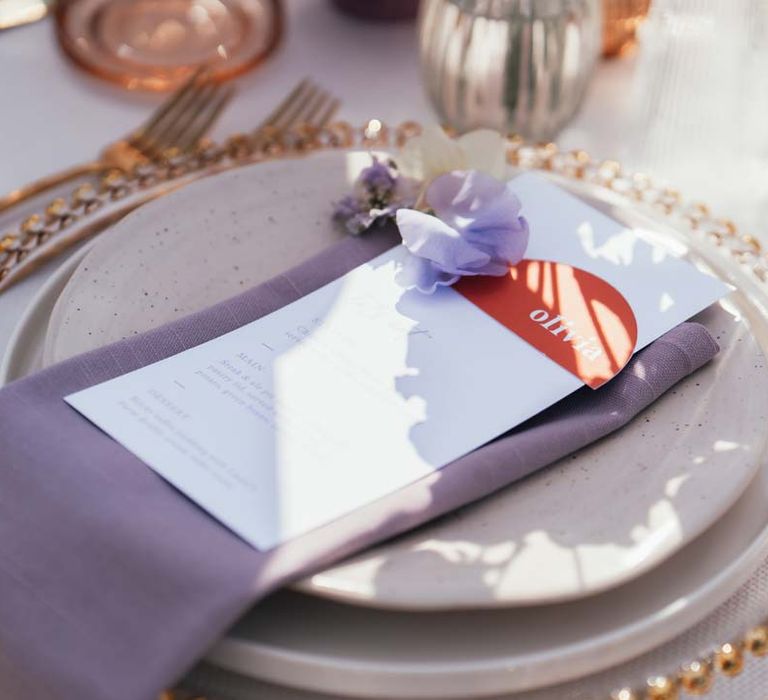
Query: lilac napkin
[112, 583]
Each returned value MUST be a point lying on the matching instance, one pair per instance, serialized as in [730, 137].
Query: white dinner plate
[303, 641]
[588, 524]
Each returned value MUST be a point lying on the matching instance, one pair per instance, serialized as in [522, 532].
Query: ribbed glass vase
[512, 65]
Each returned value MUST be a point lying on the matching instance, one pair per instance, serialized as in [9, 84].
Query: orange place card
[572, 316]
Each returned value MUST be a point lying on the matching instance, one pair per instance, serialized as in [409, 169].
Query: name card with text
[362, 387]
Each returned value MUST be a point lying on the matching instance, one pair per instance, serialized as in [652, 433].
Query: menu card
[362, 387]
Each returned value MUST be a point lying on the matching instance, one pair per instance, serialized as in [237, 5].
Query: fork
[177, 125]
[42, 237]
[307, 104]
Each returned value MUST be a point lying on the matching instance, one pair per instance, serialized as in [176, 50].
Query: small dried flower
[379, 192]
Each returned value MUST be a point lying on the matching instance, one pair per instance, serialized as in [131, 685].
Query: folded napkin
[112, 583]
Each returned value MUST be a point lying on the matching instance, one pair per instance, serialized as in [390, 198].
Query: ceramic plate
[303, 641]
[215, 237]
[323, 646]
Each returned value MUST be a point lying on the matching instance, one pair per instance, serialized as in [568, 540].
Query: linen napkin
[112, 583]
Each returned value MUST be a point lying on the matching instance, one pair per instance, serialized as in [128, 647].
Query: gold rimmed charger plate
[580, 528]
[500, 650]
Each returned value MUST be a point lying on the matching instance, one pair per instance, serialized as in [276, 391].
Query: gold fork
[90, 210]
[177, 125]
[307, 104]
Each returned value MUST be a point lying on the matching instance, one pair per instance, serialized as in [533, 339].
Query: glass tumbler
[511, 65]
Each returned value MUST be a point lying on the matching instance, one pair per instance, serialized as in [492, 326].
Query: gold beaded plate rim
[744, 250]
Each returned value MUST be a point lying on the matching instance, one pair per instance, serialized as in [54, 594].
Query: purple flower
[378, 180]
[476, 230]
[379, 192]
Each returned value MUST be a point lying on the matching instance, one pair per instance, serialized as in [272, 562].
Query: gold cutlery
[176, 125]
[14, 13]
[300, 117]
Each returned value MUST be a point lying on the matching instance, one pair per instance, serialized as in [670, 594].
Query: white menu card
[362, 387]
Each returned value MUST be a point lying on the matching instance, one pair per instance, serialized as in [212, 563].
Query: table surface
[688, 108]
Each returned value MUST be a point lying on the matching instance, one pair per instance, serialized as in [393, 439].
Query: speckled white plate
[306, 642]
[589, 523]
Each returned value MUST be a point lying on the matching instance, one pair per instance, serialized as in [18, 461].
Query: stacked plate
[588, 563]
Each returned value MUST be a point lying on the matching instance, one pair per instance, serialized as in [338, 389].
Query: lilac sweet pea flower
[476, 230]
